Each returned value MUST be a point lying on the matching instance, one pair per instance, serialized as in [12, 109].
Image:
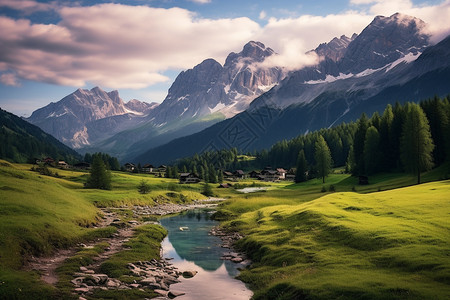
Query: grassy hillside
[39, 214]
[21, 141]
[387, 245]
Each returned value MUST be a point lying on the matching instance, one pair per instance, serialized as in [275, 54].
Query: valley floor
[387, 240]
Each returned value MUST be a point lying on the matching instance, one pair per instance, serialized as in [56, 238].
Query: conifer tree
[100, 177]
[358, 145]
[143, 187]
[386, 160]
[302, 167]
[416, 142]
[207, 190]
[220, 176]
[372, 150]
[436, 114]
[323, 158]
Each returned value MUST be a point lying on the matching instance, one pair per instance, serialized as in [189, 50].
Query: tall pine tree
[100, 177]
[416, 142]
[323, 158]
[302, 167]
[372, 150]
[358, 145]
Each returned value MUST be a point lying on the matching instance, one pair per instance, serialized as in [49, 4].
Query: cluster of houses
[62, 164]
[268, 174]
[147, 168]
[265, 175]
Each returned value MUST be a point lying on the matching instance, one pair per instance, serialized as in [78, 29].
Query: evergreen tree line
[111, 163]
[209, 165]
[410, 137]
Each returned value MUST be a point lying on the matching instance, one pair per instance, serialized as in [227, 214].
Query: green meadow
[309, 244]
[40, 214]
[338, 240]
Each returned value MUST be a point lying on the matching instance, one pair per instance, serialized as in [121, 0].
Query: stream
[191, 247]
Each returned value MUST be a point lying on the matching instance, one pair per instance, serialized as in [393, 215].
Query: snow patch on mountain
[218, 107]
[330, 78]
[408, 58]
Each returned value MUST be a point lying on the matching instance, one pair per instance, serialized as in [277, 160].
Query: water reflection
[192, 248]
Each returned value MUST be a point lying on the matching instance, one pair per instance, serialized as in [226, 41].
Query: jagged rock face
[385, 40]
[380, 47]
[210, 87]
[137, 106]
[68, 118]
[335, 49]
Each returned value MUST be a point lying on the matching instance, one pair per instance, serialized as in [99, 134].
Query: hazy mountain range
[247, 105]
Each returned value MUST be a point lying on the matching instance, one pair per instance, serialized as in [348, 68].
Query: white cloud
[436, 16]
[201, 1]
[117, 46]
[122, 46]
[291, 38]
[262, 15]
[9, 79]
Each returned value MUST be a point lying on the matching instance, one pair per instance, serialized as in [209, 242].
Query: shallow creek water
[192, 248]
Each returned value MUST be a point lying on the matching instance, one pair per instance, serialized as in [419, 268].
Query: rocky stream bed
[156, 275]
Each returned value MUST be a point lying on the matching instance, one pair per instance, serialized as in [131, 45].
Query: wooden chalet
[290, 175]
[254, 174]
[129, 167]
[228, 175]
[147, 168]
[281, 173]
[239, 174]
[189, 178]
[225, 185]
[63, 165]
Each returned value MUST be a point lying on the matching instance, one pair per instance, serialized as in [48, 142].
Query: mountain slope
[95, 120]
[21, 141]
[297, 106]
[210, 87]
[69, 119]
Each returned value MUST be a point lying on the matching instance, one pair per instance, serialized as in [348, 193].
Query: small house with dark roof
[282, 173]
[147, 168]
[239, 174]
[225, 185]
[254, 174]
[189, 178]
[63, 165]
[228, 175]
[129, 167]
[162, 168]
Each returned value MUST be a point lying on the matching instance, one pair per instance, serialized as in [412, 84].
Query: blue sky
[48, 49]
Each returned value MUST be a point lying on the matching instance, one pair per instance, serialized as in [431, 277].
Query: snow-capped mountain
[384, 44]
[210, 87]
[98, 121]
[390, 60]
[69, 119]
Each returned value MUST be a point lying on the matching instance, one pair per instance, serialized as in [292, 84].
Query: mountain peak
[399, 19]
[383, 41]
[255, 51]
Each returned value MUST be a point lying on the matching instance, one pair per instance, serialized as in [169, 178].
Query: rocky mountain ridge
[68, 119]
[212, 88]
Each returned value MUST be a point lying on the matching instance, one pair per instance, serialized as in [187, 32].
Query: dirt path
[47, 266]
